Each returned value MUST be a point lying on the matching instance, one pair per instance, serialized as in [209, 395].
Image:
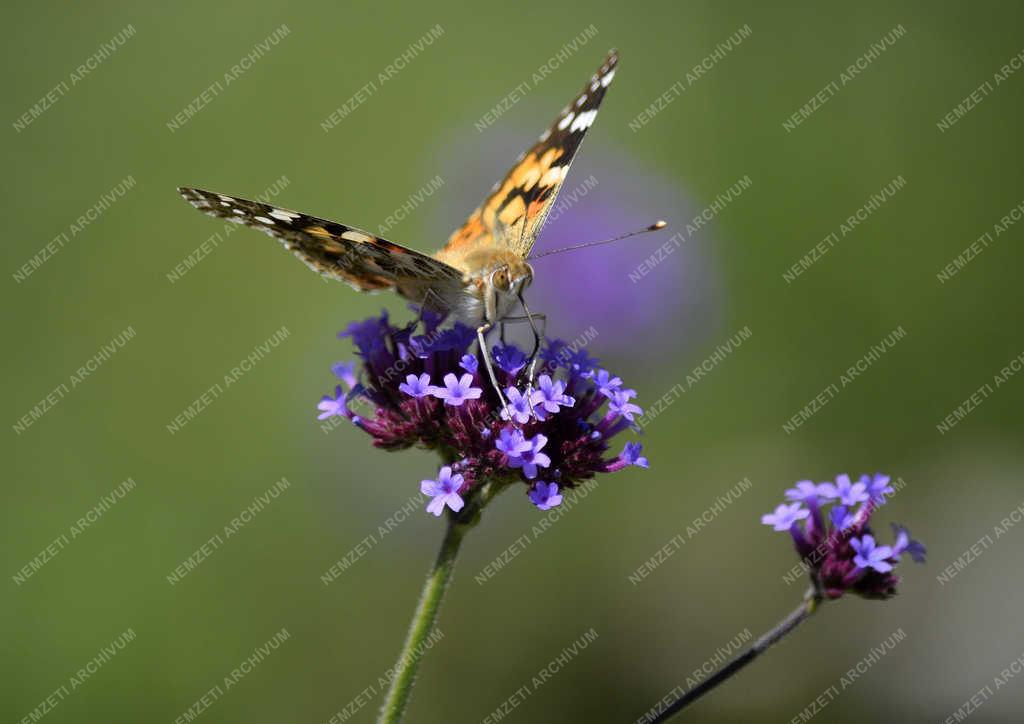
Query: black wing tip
[196, 197]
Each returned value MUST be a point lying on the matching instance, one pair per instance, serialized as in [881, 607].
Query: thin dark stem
[800, 614]
[425, 616]
[423, 621]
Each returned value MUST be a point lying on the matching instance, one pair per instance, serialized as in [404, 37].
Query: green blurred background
[574, 577]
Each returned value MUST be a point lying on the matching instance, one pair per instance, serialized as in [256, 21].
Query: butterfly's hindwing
[352, 255]
[511, 217]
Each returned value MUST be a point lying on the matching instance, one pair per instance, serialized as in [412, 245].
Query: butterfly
[480, 274]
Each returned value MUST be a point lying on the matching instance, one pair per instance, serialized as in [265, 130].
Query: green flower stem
[801, 613]
[425, 616]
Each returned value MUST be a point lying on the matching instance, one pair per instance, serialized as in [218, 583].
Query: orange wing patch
[511, 217]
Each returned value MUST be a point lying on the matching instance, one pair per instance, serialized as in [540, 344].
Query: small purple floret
[509, 358]
[619, 404]
[457, 390]
[417, 386]
[549, 397]
[806, 489]
[443, 491]
[877, 486]
[345, 371]
[518, 407]
[607, 383]
[849, 494]
[870, 555]
[530, 457]
[906, 544]
[330, 406]
[545, 495]
[631, 455]
[785, 516]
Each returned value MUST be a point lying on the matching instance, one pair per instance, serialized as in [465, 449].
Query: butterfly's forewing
[357, 257]
[512, 215]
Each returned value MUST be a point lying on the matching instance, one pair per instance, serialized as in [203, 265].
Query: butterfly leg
[531, 364]
[537, 337]
[422, 308]
[480, 332]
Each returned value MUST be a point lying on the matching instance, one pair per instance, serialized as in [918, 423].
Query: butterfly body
[495, 280]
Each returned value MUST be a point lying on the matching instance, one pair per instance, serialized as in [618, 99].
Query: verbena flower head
[426, 386]
[839, 548]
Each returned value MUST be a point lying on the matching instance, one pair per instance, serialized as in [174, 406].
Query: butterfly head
[502, 284]
[510, 276]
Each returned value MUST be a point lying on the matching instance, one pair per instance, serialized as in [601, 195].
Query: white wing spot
[581, 100]
[595, 85]
[356, 236]
[562, 124]
[225, 203]
[606, 80]
[240, 212]
[224, 198]
[583, 120]
[281, 215]
[543, 137]
[264, 220]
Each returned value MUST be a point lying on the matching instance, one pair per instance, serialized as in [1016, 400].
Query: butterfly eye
[500, 279]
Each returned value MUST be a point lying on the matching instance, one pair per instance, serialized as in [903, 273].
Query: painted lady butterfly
[481, 273]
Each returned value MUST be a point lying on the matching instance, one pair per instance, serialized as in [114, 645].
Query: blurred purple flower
[840, 549]
[662, 297]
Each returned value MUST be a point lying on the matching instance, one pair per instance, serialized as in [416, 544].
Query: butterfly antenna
[653, 227]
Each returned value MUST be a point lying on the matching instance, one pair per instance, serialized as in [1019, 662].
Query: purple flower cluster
[424, 386]
[840, 549]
